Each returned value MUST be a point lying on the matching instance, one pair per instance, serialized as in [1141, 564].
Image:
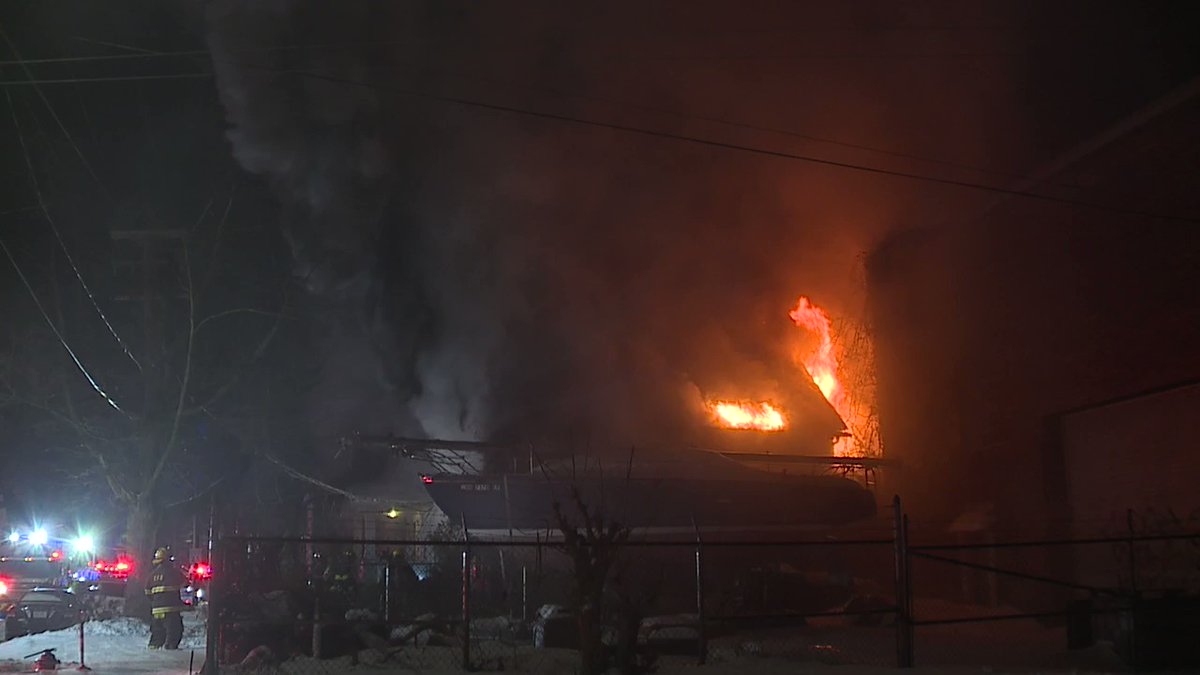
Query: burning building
[819, 367]
[710, 476]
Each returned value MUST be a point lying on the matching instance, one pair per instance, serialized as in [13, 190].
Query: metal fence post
[904, 657]
[466, 599]
[212, 638]
[1133, 579]
[909, 611]
[82, 663]
[389, 593]
[316, 625]
[1133, 591]
[701, 641]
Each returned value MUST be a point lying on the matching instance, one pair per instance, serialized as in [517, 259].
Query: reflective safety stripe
[163, 589]
[160, 612]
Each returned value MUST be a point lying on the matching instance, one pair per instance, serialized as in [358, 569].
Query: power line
[818, 56]
[105, 57]
[58, 121]
[37, 190]
[115, 78]
[752, 127]
[61, 340]
[140, 53]
[143, 54]
[115, 45]
[565, 94]
[779, 154]
[20, 209]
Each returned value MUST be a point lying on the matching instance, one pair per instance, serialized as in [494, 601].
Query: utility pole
[144, 263]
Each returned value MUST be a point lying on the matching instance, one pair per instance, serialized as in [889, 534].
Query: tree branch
[119, 490]
[197, 495]
[208, 273]
[241, 310]
[80, 428]
[254, 356]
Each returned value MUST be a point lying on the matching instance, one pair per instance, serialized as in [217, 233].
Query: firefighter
[166, 607]
[399, 584]
[342, 578]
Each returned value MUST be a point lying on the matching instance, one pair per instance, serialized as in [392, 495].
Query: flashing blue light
[87, 575]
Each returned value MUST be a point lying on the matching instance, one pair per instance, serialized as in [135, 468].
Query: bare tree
[164, 423]
[593, 545]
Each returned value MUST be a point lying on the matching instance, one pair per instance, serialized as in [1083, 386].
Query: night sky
[552, 222]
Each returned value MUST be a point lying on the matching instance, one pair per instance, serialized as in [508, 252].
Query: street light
[39, 537]
[14, 536]
[84, 544]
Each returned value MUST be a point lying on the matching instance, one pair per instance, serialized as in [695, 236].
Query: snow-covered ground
[119, 646]
[110, 646]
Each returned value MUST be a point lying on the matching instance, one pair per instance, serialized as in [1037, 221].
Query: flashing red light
[56, 555]
[201, 571]
[426, 479]
[120, 569]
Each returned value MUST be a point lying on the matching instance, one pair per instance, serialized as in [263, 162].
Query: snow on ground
[119, 646]
[111, 646]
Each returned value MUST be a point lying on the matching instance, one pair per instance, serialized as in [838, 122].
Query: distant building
[1039, 365]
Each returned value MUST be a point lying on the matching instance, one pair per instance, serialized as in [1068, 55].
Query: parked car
[42, 609]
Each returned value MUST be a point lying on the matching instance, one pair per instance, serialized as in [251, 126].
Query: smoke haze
[497, 276]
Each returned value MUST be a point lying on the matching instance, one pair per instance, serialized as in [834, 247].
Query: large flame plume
[761, 416]
[819, 358]
[820, 362]
[850, 393]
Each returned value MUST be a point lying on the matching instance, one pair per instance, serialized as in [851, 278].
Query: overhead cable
[141, 54]
[37, 190]
[62, 340]
[697, 140]
[497, 107]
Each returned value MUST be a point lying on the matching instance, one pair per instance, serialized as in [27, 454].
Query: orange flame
[747, 415]
[820, 360]
[821, 363]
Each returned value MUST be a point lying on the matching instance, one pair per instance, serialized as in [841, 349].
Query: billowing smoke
[489, 275]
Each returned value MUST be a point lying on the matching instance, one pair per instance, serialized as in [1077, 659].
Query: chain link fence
[293, 605]
[1118, 600]
[333, 606]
